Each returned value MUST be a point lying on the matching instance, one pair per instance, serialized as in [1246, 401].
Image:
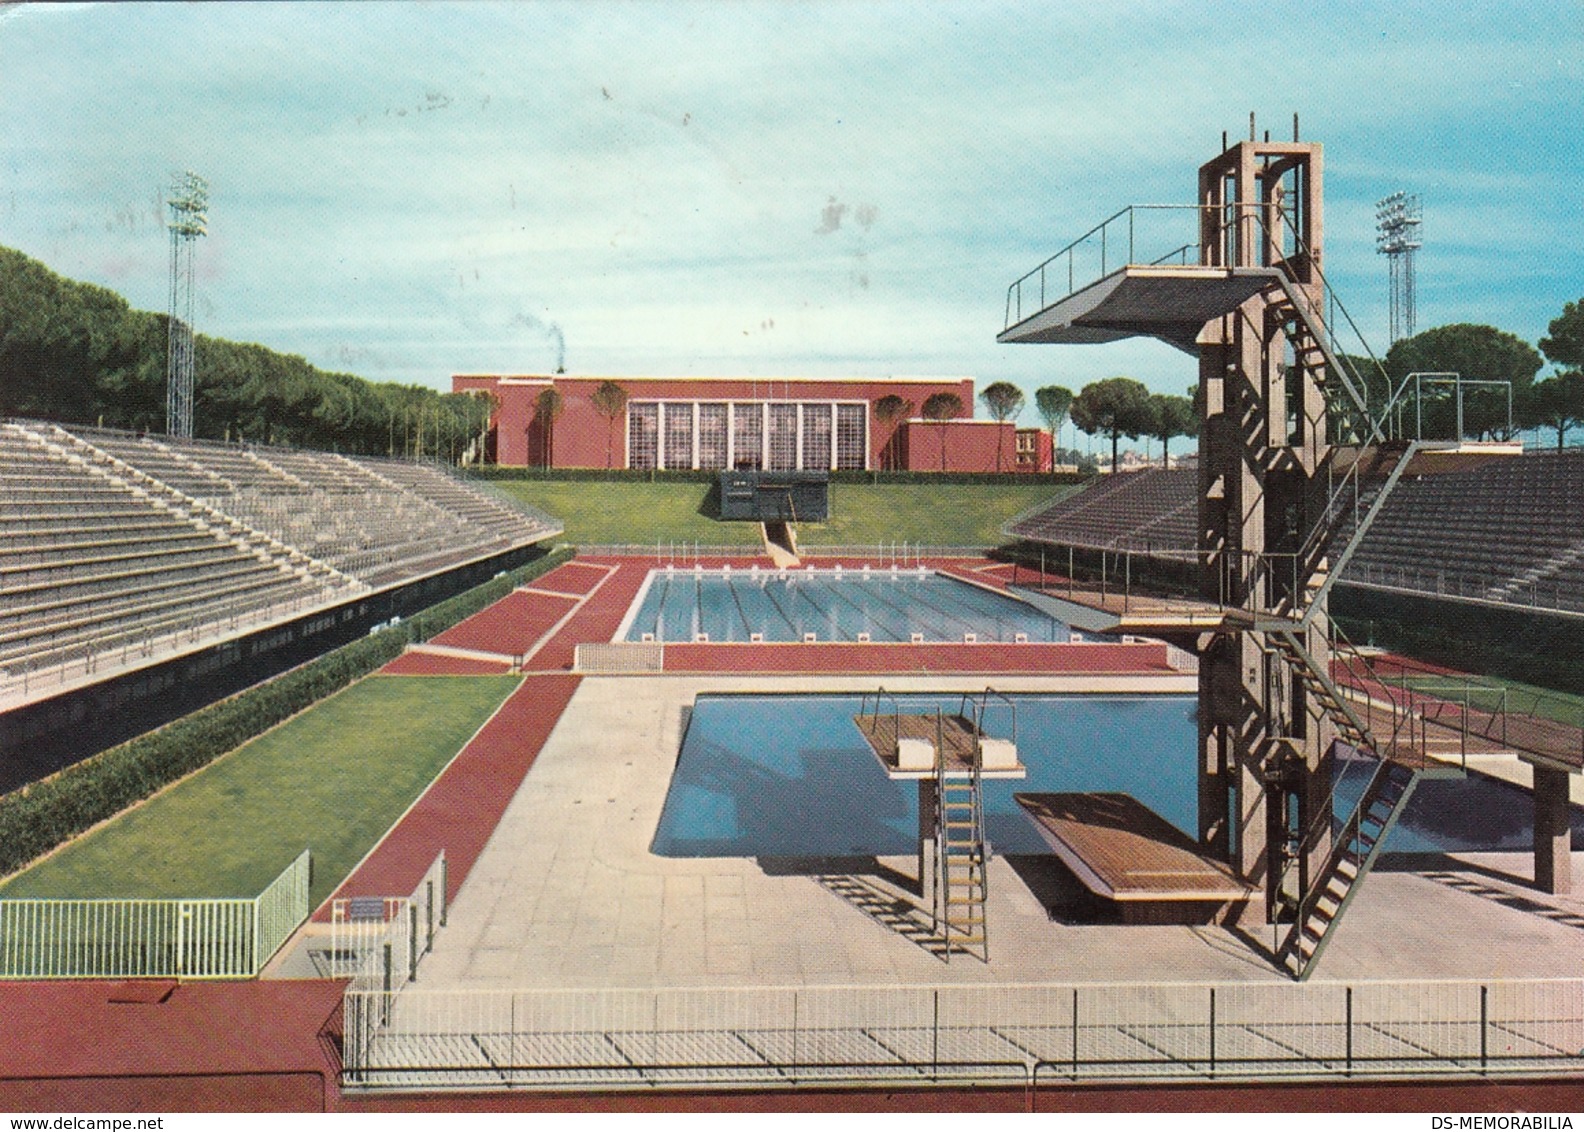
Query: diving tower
[1300, 445]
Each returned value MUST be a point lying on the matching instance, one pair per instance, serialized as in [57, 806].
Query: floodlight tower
[1398, 225]
[189, 203]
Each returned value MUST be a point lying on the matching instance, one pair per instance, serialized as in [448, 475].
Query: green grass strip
[332, 779]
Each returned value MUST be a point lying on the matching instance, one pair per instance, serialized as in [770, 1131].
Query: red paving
[895, 658]
[437, 664]
[69, 1047]
[511, 626]
[575, 577]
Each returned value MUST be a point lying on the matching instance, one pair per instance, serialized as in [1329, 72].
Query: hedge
[40, 816]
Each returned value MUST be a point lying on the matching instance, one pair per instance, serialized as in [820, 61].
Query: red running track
[576, 577]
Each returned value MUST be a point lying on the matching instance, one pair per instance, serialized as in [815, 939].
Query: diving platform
[1168, 302]
[905, 744]
[1126, 853]
[1427, 458]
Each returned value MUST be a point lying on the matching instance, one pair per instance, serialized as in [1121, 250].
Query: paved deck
[567, 893]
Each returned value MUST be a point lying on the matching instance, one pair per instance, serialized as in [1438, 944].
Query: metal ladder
[962, 885]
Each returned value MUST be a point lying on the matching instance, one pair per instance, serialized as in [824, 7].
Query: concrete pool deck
[566, 893]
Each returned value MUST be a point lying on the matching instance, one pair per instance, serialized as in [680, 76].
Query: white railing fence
[619, 657]
[428, 1039]
[172, 939]
[381, 940]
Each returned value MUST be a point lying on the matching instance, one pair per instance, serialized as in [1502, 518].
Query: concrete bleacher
[1508, 531]
[117, 548]
[1154, 512]
[93, 566]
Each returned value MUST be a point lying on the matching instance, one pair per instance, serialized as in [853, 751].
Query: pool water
[790, 776]
[785, 606]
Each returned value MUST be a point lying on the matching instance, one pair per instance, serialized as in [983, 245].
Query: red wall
[970, 446]
[579, 436]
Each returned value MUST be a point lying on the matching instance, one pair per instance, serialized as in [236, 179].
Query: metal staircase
[962, 884]
[1385, 773]
[1353, 852]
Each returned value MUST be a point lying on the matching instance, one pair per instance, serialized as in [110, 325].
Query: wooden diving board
[885, 731]
[1123, 851]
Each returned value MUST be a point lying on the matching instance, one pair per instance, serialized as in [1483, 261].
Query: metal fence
[182, 939]
[381, 940]
[991, 1034]
[619, 657]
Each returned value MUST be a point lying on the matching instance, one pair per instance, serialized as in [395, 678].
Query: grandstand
[118, 551]
[1498, 534]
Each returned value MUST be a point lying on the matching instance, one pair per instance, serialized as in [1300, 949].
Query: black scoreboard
[767, 497]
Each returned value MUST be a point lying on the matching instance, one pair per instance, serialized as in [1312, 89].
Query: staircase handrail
[1371, 748]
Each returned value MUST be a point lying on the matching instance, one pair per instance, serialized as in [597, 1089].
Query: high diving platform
[1127, 854]
[1168, 302]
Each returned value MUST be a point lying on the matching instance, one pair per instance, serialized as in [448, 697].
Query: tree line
[76, 353]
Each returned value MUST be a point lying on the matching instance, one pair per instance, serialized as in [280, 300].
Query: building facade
[710, 423]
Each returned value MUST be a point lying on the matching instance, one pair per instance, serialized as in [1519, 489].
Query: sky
[407, 191]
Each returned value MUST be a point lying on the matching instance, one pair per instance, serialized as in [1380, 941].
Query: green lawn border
[40, 816]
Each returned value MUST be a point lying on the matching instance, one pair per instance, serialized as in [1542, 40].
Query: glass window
[748, 435]
[816, 437]
[852, 438]
[643, 434]
[678, 434]
[783, 438]
[712, 436]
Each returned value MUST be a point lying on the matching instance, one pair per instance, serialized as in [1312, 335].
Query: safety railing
[147, 939]
[990, 1034]
[381, 940]
[618, 657]
[1136, 234]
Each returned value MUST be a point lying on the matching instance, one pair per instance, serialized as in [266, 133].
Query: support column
[1553, 834]
[926, 835]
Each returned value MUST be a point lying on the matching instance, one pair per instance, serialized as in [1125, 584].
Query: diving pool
[790, 776]
[833, 605]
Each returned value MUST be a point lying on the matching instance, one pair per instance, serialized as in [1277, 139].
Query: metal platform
[885, 732]
[1171, 303]
[1123, 851]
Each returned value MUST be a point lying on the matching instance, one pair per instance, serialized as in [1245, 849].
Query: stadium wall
[42, 738]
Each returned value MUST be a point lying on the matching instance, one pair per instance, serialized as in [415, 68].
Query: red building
[718, 422]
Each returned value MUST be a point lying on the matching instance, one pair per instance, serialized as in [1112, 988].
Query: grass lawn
[1486, 693]
[642, 513]
[333, 780]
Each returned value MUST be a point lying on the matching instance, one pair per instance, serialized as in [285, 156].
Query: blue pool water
[790, 776]
[834, 607]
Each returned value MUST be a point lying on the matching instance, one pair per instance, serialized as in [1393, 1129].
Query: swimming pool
[790, 776]
[833, 605]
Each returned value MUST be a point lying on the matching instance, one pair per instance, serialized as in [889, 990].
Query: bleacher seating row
[1508, 531]
[116, 547]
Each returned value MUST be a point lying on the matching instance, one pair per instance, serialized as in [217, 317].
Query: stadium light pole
[189, 204]
[1398, 227]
